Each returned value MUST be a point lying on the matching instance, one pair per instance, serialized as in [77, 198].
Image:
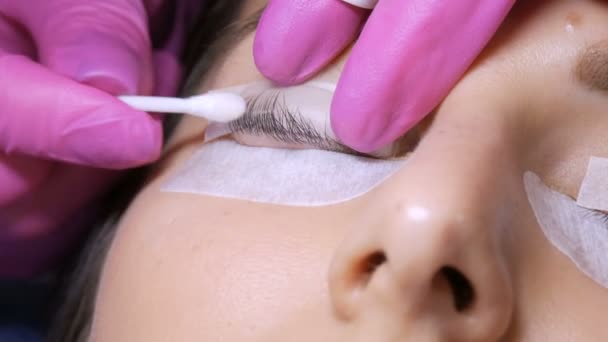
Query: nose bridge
[425, 253]
[442, 227]
[453, 177]
[452, 202]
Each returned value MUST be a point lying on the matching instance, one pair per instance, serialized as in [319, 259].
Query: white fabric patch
[594, 190]
[279, 176]
[579, 233]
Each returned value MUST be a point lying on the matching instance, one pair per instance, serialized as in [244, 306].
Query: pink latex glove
[61, 63]
[408, 56]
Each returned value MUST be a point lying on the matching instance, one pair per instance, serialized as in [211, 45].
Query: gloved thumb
[69, 121]
[104, 44]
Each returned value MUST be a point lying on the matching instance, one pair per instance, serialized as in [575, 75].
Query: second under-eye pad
[594, 190]
[579, 233]
[279, 176]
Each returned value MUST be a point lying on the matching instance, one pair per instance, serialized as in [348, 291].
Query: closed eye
[269, 116]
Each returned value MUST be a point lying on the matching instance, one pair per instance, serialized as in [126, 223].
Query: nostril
[375, 260]
[463, 293]
[369, 265]
[349, 279]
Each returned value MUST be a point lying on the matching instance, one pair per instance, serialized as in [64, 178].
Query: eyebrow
[269, 115]
[592, 66]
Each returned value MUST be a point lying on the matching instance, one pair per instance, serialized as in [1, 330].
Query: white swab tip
[217, 106]
[367, 4]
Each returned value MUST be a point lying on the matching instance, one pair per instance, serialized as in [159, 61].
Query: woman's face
[388, 265]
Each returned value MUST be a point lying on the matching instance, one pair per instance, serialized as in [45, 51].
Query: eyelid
[269, 115]
[269, 108]
[272, 111]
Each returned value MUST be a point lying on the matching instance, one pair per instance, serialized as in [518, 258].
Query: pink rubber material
[297, 38]
[409, 55]
[61, 64]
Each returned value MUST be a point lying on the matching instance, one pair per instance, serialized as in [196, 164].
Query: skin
[397, 43]
[195, 268]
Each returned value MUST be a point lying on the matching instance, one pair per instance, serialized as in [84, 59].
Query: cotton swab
[213, 106]
[367, 4]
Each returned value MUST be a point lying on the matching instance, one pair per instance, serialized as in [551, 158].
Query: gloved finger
[170, 22]
[297, 38]
[170, 19]
[19, 175]
[169, 73]
[69, 121]
[104, 44]
[408, 57]
[14, 39]
[38, 229]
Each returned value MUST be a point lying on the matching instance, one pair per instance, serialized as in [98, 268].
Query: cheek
[215, 270]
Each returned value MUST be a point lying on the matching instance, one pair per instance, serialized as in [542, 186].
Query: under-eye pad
[579, 233]
[305, 177]
[594, 190]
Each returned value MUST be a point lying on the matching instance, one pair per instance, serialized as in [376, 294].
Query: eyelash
[602, 216]
[267, 114]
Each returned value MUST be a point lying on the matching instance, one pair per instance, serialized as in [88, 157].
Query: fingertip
[358, 114]
[265, 49]
[114, 138]
[116, 69]
[295, 40]
[102, 61]
[368, 121]
[359, 131]
[369, 138]
[146, 138]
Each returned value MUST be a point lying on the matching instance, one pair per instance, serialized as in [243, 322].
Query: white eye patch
[279, 176]
[579, 233]
[594, 190]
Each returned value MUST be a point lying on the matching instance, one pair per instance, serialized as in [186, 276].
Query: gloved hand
[408, 56]
[61, 63]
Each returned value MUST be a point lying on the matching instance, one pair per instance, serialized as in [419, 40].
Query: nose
[424, 260]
